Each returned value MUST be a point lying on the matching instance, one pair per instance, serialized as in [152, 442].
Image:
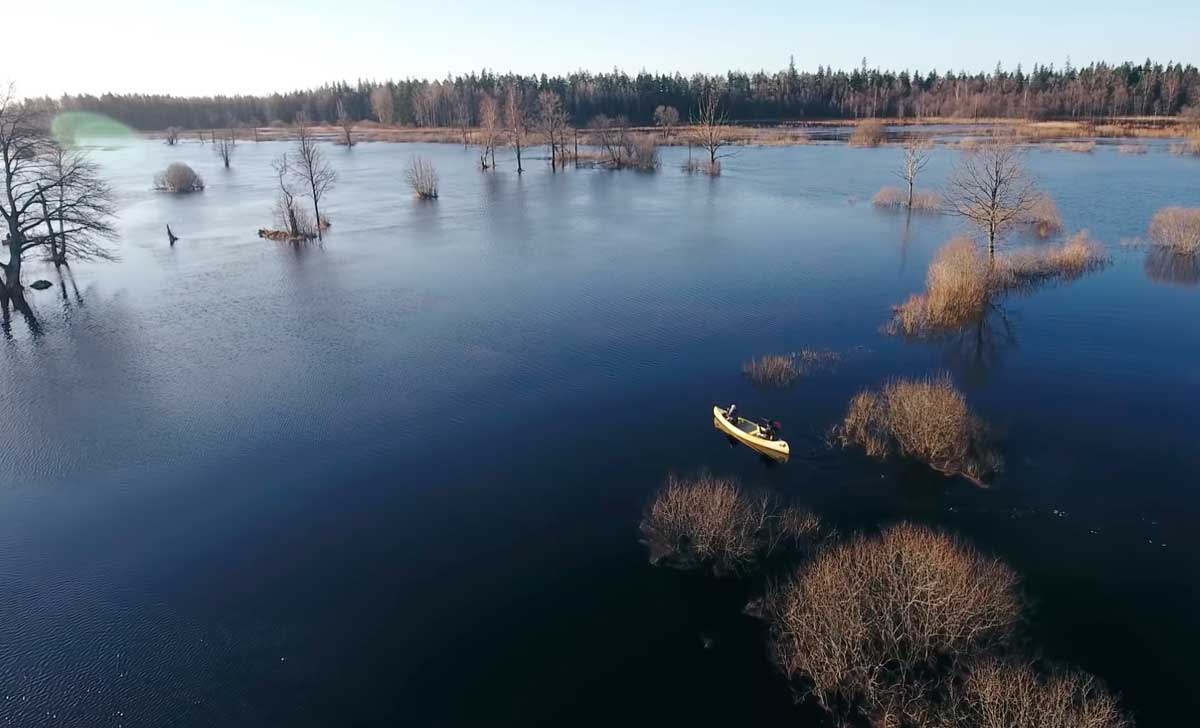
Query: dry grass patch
[710, 521]
[1177, 228]
[1042, 216]
[995, 693]
[1078, 147]
[1023, 268]
[956, 293]
[923, 419]
[868, 133]
[875, 627]
[1132, 149]
[895, 197]
[782, 370]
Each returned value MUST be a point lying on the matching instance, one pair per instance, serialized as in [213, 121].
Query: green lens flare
[72, 127]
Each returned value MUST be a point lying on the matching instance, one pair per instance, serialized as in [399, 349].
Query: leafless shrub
[224, 147]
[1177, 228]
[666, 118]
[996, 693]
[178, 178]
[1042, 216]
[956, 292]
[1079, 147]
[896, 197]
[1022, 268]
[781, 370]
[709, 521]
[876, 626]
[923, 419]
[643, 153]
[868, 133]
[1132, 148]
[422, 178]
[171, 136]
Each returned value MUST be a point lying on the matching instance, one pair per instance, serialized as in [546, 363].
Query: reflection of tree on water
[978, 347]
[1164, 265]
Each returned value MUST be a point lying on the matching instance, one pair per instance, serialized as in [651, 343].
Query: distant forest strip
[1096, 91]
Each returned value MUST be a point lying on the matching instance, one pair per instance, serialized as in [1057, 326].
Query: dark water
[395, 479]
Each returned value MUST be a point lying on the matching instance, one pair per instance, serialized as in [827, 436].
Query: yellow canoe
[749, 433]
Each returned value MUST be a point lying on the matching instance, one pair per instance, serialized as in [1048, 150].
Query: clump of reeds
[178, 178]
[1177, 228]
[712, 522]
[1042, 216]
[1190, 146]
[1079, 147]
[896, 197]
[1025, 267]
[1132, 148]
[927, 420]
[422, 177]
[643, 153]
[782, 370]
[868, 133]
[880, 625]
[956, 292]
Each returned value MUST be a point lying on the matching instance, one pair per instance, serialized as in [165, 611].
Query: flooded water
[394, 479]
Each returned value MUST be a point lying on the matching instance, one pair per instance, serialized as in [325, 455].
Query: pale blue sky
[255, 46]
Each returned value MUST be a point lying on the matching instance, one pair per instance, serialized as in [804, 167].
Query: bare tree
[383, 104]
[312, 170]
[666, 117]
[225, 147]
[346, 122]
[462, 107]
[551, 122]
[516, 118]
[426, 101]
[171, 136]
[612, 136]
[490, 125]
[916, 156]
[289, 216]
[52, 198]
[709, 127]
[991, 189]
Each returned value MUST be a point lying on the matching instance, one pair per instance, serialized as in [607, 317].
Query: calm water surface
[394, 479]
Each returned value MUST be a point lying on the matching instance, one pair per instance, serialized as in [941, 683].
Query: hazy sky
[255, 46]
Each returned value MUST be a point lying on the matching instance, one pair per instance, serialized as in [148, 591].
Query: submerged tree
[311, 169]
[916, 156]
[709, 128]
[551, 122]
[346, 122]
[489, 125]
[225, 146]
[52, 198]
[516, 119]
[991, 189]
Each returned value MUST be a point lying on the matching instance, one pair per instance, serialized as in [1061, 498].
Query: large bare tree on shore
[311, 169]
[516, 118]
[991, 190]
[52, 198]
[383, 105]
[916, 156]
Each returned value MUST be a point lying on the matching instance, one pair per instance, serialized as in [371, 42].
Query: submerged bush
[1026, 267]
[1043, 217]
[956, 292]
[896, 197]
[1132, 149]
[708, 521]
[781, 370]
[922, 419]
[1081, 147]
[868, 133]
[178, 178]
[1177, 228]
[422, 178]
[643, 153]
[995, 693]
[876, 626]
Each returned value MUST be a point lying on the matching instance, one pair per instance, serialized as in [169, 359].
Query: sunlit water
[394, 479]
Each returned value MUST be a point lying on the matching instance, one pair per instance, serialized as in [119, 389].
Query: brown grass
[709, 521]
[956, 293]
[875, 627]
[923, 419]
[896, 197]
[1043, 217]
[995, 693]
[1025, 267]
[1177, 228]
[868, 133]
[1078, 147]
[1132, 149]
[782, 370]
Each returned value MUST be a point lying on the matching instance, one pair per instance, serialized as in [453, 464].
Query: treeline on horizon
[1095, 91]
